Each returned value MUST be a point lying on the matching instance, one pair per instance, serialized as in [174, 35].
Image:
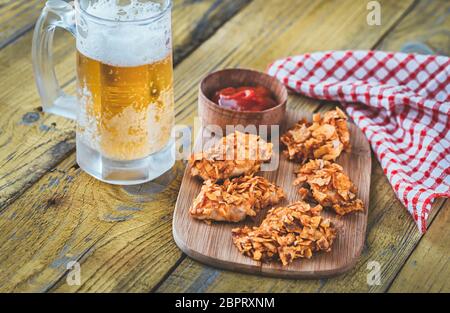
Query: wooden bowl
[213, 114]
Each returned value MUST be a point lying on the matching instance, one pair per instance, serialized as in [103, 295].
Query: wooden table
[52, 213]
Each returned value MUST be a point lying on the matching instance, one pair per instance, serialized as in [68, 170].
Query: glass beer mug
[124, 105]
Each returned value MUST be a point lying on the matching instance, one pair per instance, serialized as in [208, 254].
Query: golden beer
[126, 111]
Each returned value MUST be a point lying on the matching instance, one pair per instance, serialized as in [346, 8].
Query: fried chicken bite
[235, 155]
[287, 233]
[325, 138]
[235, 199]
[326, 183]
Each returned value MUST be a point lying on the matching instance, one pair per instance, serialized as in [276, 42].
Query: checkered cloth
[402, 104]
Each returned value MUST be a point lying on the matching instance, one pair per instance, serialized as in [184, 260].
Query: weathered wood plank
[16, 18]
[128, 233]
[257, 35]
[392, 235]
[426, 30]
[428, 268]
[32, 142]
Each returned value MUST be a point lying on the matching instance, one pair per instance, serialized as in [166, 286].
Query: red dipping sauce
[252, 99]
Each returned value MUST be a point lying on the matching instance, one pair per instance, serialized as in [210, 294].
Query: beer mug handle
[56, 13]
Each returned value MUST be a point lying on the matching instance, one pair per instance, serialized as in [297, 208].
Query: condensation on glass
[125, 105]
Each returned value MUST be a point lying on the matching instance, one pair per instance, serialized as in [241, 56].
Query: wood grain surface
[213, 245]
[52, 213]
[428, 267]
[16, 18]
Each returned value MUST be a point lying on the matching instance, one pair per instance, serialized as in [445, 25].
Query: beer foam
[124, 44]
[134, 10]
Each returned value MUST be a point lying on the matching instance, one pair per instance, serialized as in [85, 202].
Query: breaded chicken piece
[287, 233]
[235, 155]
[325, 138]
[235, 199]
[326, 183]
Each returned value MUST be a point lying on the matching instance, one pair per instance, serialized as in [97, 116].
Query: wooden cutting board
[212, 244]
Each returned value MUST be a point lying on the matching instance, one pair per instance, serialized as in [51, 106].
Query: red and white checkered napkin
[402, 104]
